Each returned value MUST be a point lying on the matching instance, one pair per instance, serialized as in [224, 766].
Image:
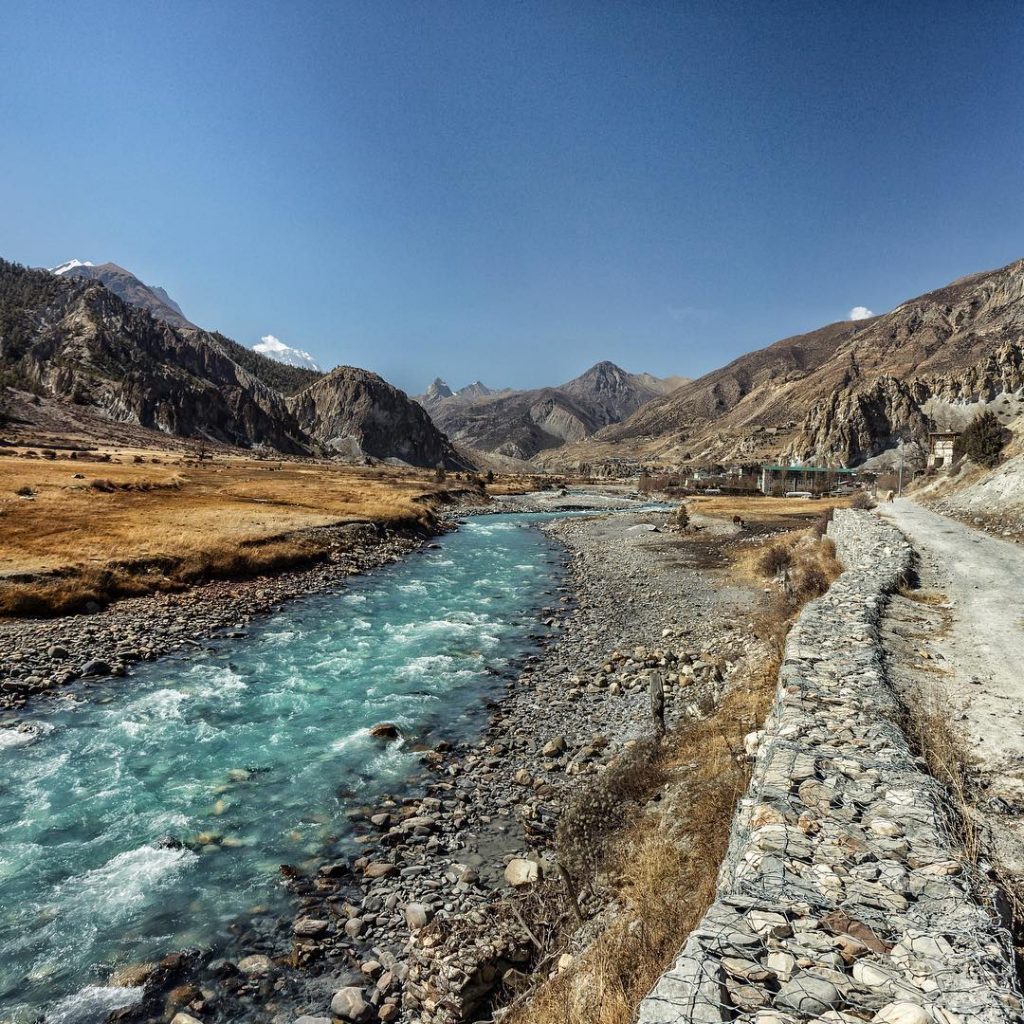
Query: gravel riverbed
[411, 929]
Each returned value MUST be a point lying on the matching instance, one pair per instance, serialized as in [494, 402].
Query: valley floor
[419, 927]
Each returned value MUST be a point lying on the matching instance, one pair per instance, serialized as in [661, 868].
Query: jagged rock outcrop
[437, 392]
[853, 425]
[354, 412]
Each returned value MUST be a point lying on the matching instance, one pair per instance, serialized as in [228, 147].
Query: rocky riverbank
[417, 926]
[43, 656]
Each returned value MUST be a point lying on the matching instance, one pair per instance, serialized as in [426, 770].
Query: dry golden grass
[784, 512]
[929, 597]
[933, 727]
[664, 865]
[128, 526]
[518, 483]
[811, 562]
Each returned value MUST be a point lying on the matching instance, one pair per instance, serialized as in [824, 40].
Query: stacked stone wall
[845, 895]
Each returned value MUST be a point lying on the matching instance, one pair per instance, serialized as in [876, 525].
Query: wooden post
[657, 681]
[570, 891]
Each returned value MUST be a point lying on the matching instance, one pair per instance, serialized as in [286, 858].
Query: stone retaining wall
[844, 896]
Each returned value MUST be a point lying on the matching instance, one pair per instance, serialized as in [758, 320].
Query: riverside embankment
[241, 753]
[847, 894]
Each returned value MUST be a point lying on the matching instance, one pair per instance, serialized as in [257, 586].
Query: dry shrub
[931, 724]
[810, 582]
[862, 500]
[775, 559]
[599, 811]
[175, 483]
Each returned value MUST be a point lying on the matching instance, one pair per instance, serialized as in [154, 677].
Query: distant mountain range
[520, 424]
[72, 338]
[98, 339]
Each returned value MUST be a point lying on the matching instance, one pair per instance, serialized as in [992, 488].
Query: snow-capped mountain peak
[70, 265]
[273, 347]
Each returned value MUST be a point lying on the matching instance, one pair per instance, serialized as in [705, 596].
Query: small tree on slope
[983, 440]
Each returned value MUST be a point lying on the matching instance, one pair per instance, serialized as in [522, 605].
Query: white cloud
[860, 313]
[275, 348]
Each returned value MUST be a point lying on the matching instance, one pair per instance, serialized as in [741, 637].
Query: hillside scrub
[652, 831]
[983, 440]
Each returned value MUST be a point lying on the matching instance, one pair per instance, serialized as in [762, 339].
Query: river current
[247, 753]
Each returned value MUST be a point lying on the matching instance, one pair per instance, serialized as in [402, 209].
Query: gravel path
[970, 650]
[983, 577]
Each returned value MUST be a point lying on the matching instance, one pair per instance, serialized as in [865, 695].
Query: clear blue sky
[512, 191]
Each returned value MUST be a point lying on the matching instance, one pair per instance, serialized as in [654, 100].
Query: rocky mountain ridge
[127, 286]
[355, 412]
[73, 339]
[843, 393]
[521, 424]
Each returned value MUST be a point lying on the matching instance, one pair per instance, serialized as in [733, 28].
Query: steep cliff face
[853, 425]
[81, 343]
[956, 348]
[355, 413]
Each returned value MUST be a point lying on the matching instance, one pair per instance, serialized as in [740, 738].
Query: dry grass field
[782, 512]
[107, 524]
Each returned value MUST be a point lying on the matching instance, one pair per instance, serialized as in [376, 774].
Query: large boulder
[350, 1005]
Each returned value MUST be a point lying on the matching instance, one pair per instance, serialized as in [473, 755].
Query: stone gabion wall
[845, 896]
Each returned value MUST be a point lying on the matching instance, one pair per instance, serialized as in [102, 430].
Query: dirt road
[969, 646]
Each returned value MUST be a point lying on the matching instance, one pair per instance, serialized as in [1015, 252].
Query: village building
[942, 449]
[780, 479]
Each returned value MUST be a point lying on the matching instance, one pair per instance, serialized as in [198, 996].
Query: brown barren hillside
[843, 393]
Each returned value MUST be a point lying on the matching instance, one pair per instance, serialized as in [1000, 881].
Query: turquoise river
[260, 742]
